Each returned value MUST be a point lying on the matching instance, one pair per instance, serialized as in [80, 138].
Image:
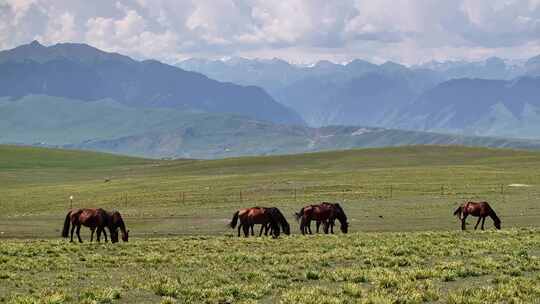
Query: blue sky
[296, 30]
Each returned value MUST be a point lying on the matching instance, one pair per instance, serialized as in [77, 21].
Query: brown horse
[481, 210]
[95, 219]
[325, 213]
[248, 217]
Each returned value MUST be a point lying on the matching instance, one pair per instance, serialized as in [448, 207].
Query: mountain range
[493, 97]
[76, 96]
[81, 72]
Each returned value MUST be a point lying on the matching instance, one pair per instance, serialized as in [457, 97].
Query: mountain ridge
[85, 73]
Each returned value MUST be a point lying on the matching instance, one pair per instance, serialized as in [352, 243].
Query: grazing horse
[95, 219]
[116, 222]
[259, 215]
[481, 210]
[325, 213]
[339, 214]
[281, 221]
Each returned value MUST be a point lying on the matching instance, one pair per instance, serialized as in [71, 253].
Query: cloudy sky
[296, 30]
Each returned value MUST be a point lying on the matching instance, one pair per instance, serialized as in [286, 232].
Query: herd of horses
[272, 221]
[95, 218]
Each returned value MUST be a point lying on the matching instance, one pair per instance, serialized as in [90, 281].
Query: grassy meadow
[404, 245]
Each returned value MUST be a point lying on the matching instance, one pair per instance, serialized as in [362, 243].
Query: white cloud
[60, 28]
[400, 30]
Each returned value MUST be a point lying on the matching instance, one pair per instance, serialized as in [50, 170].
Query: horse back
[92, 217]
[477, 208]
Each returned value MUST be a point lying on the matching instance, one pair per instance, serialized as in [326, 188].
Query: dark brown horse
[480, 210]
[281, 220]
[248, 217]
[325, 213]
[95, 218]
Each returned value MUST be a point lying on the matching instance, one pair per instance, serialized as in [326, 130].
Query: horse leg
[302, 226]
[99, 230]
[105, 235]
[483, 221]
[92, 234]
[262, 227]
[266, 229]
[79, 233]
[478, 222]
[463, 221]
[239, 226]
[246, 230]
[72, 230]
[318, 225]
[251, 226]
[309, 227]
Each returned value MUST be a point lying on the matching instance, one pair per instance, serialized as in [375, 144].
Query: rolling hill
[106, 125]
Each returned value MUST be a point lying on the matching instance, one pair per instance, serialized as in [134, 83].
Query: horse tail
[458, 211]
[65, 230]
[234, 219]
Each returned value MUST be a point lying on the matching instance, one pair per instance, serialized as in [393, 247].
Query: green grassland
[415, 267]
[390, 189]
[404, 245]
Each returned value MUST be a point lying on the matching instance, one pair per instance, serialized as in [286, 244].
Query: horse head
[118, 222]
[342, 217]
[125, 236]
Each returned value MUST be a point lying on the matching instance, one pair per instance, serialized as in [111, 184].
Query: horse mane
[280, 218]
[341, 216]
[116, 220]
[494, 216]
[299, 214]
[458, 211]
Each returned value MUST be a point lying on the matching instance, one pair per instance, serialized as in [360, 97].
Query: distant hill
[492, 97]
[58, 121]
[532, 66]
[255, 138]
[491, 68]
[109, 126]
[79, 71]
[358, 93]
[24, 157]
[478, 107]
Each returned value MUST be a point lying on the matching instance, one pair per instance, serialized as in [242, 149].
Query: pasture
[404, 245]
[413, 267]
